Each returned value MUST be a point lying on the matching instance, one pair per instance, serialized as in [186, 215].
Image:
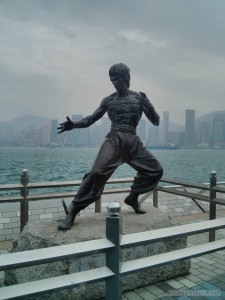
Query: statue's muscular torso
[124, 112]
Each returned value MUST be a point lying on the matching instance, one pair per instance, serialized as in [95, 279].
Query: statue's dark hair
[120, 70]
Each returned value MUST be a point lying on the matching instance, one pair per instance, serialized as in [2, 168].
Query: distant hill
[10, 132]
[25, 122]
[209, 117]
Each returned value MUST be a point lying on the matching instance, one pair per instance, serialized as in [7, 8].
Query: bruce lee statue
[121, 145]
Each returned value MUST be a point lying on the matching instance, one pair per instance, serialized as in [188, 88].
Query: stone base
[42, 234]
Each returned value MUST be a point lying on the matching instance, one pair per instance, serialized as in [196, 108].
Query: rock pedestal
[42, 234]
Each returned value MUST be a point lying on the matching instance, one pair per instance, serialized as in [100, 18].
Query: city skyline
[206, 132]
[55, 55]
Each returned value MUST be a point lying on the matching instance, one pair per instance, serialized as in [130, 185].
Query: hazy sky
[55, 54]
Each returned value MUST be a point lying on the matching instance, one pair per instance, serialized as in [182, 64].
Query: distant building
[141, 130]
[204, 134]
[77, 134]
[54, 133]
[189, 128]
[46, 130]
[219, 130]
[166, 127]
[105, 126]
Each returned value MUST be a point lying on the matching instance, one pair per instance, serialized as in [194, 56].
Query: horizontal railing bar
[69, 281]
[5, 187]
[184, 183]
[219, 189]
[157, 235]
[182, 193]
[220, 201]
[10, 199]
[58, 195]
[46, 255]
[35, 185]
[154, 261]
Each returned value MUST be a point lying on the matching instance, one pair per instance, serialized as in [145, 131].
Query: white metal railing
[204, 192]
[112, 246]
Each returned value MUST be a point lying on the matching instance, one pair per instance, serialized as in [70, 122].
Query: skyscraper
[54, 136]
[141, 130]
[77, 134]
[166, 127]
[219, 130]
[189, 128]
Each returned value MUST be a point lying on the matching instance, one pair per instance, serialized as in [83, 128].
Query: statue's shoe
[67, 223]
[134, 204]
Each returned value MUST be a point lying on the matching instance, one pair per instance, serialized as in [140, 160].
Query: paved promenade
[207, 275]
[173, 205]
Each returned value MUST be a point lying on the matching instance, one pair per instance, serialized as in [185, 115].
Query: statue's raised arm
[85, 122]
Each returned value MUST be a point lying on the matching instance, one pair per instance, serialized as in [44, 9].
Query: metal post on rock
[114, 255]
[24, 180]
[212, 204]
[155, 198]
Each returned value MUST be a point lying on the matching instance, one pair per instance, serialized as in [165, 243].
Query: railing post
[98, 206]
[114, 255]
[155, 198]
[212, 204]
[24, 179]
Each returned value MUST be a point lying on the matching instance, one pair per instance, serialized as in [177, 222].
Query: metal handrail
[178, 187]
[114, 267]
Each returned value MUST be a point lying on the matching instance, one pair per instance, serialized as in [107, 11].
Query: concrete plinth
[42, 234]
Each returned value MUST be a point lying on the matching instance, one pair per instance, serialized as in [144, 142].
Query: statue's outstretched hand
[66, 126]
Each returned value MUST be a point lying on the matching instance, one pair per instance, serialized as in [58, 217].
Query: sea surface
[67, 164]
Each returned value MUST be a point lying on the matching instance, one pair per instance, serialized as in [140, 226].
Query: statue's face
[119, 83]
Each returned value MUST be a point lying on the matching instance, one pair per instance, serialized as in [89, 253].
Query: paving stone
[155, 290]
[209, 286]
[167, 298]
[15, 219]
[12, 237]
[11, 225]
[37, 211]
[204, 277]
[16, 230]
[195, 271]
[5, 220]
[5, 231]
[132, 296]
[2, 238]
[219, 266]
[51, 210]
[9, 214]
[218, 271]
[46, 216]
[175, 284]
[145, 294]
[193, 278]
[208, 272]
[187, 282]
[34, 217]
[164, 286]
[206, 260]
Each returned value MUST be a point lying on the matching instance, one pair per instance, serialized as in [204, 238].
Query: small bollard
[114, 209]
[114, 255]
[24, 180]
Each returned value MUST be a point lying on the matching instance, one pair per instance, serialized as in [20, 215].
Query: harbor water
[67, 164]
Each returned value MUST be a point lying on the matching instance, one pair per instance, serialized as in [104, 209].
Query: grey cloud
[175, 50]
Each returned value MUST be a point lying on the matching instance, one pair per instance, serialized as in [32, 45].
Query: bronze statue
[121, 145]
